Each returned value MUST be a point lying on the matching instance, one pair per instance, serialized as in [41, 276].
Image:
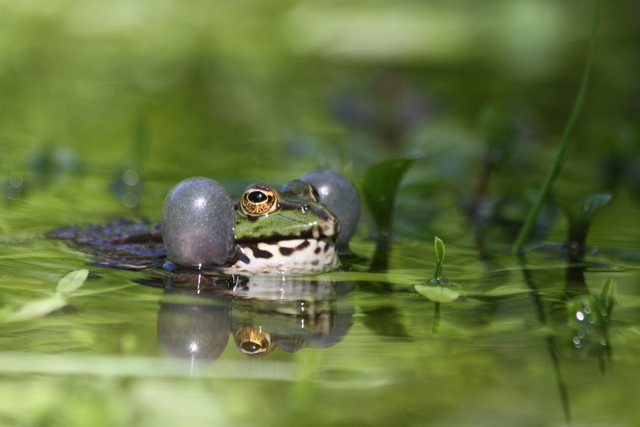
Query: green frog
[285, 231]
[297, 230]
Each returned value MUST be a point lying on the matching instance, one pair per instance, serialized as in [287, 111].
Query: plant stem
[553, 172]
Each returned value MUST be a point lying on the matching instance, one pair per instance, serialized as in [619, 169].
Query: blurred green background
[230, 87]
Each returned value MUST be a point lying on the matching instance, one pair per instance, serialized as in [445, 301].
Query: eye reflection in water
[196, 317]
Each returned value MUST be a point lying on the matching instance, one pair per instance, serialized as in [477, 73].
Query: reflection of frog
[297, 230]
[261, 314]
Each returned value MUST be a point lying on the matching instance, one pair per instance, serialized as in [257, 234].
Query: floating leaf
[380, 186]
[441, 294]
[72, 281]
[37, 308]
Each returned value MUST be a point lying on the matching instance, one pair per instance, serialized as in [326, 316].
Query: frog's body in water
[297, 230]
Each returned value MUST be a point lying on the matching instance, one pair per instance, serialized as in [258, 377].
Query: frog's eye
[259, 199]
[254, 342]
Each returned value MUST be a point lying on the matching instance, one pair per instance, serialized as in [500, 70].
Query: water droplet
[130, 177]
[576, 341]
[587, 309]
[16, 180]
[129, 199]
[580, 316]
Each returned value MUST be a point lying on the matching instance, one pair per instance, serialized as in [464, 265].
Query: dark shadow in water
[199, 313]
[549, 340]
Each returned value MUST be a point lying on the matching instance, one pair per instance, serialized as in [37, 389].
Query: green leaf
[35, 309]
[592, 204]
[72, 281]
[440, 251]
[380, 186]
[607, 295]
[559, 159]
[499, 130]
[442, 294]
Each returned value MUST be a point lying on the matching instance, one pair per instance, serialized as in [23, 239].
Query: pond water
[106, 105]
[347, 347]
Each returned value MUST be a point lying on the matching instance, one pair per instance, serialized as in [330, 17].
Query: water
[350, 347]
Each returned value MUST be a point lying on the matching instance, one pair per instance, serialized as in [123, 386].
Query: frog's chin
[295, 256]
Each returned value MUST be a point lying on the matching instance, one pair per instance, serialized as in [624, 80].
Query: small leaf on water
[380, 186]
[440, 294]
[35, 309]
[72, 281]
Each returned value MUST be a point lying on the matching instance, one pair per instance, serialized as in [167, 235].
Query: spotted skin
[295, 256]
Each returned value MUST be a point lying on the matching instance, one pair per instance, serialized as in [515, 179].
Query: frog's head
[267, 215]
[285, 231]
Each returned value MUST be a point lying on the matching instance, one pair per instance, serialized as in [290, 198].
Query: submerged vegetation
[444, 115]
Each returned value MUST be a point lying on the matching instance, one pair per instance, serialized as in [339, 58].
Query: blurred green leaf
[499, 131]
[37, 308]
[592, 205]
[72, 281]
[580, 217]
[380, 186]
[607, 295]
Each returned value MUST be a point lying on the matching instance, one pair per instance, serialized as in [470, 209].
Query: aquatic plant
[589, 320]
[580, 218]
[439, 289]
[43, 306]
[560, 156]
[381, 182]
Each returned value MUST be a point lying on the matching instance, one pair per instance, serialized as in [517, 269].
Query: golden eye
[259, 199]
[254, 342]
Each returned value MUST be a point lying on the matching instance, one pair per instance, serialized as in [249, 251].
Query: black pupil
[256, 197]
[250, 346]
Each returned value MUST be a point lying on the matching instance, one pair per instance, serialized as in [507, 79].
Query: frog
[299, 229]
